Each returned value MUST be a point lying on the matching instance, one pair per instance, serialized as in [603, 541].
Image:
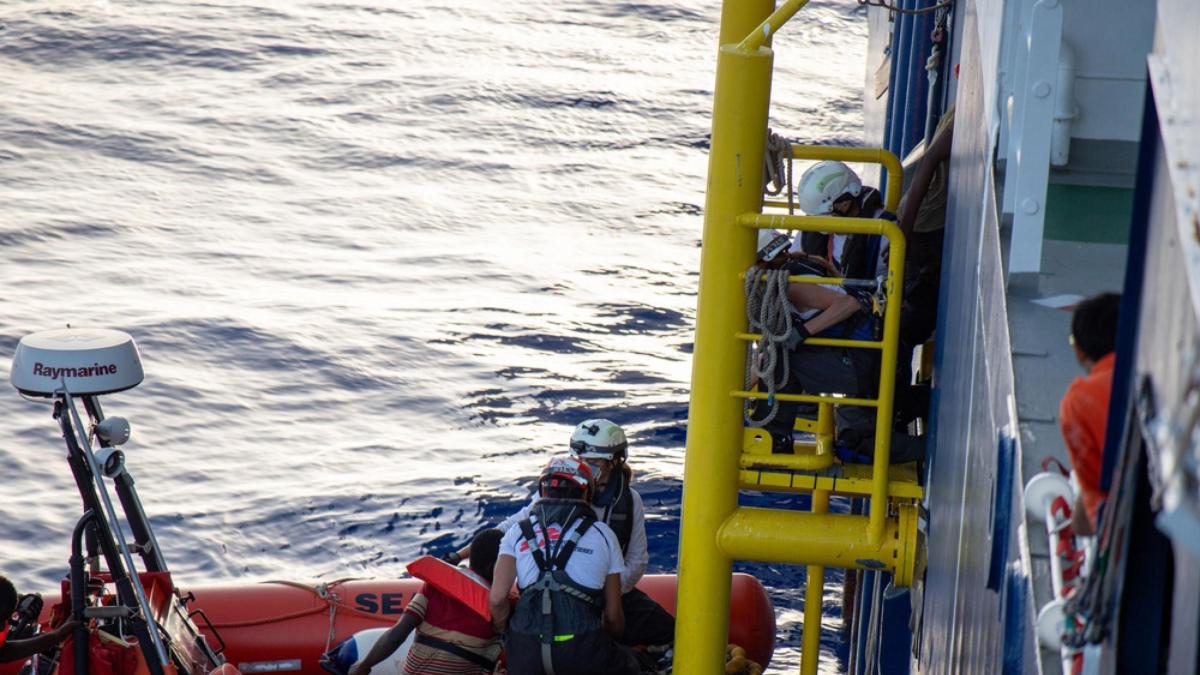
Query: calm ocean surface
[379, 259]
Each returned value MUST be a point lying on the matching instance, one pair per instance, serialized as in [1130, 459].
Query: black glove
[452, 557]
[797, 336]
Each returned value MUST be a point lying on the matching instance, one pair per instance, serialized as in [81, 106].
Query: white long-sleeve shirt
[637, 556]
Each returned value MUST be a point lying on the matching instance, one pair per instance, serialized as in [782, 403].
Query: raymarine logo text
[87, 371]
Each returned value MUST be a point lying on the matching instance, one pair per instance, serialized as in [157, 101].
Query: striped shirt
[448, 620]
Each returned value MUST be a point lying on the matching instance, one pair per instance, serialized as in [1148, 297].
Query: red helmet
[567, 472]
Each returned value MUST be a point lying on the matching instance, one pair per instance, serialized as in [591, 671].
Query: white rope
[769, 313]
[775, 177]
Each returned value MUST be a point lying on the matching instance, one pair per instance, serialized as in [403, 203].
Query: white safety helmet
[599, 439]
[771, 244]
[825, 183]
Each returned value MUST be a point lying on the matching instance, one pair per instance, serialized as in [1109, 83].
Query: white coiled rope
[769, 313]
[776, 175]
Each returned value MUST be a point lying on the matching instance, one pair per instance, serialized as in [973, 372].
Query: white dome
[87, 360]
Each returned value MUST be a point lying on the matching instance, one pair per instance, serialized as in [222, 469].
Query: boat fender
[352, 650]
[457, 582]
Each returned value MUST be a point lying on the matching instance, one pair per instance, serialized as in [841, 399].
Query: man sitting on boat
[451, 637]
[603, 446]
[567, 565]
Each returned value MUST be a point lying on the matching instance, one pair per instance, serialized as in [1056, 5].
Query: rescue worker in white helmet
[603, 445]
[831, 188]
[567, 566]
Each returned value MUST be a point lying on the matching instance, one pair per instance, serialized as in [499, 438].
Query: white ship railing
[1049, 499]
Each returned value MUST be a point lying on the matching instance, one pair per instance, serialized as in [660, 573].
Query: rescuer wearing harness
[816, 310]
[567, 566]
[827, 310]
[831, 188]
[17, 647]
[604, 447]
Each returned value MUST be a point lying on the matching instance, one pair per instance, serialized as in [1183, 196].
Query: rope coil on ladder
[776, 175]
[769, 313]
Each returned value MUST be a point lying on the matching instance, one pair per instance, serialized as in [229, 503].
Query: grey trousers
[851, 372]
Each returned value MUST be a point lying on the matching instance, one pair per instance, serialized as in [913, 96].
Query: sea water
[379, 258]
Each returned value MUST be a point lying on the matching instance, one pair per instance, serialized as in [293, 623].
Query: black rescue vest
[860, 251]
[554, 608]
[617, 503]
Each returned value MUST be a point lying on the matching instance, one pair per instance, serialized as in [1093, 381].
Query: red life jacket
[461, 584]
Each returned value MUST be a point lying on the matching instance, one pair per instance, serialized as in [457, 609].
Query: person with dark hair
[1083, 413]
[17, 649]
[484, 549]
[451, 638]
[567, 565]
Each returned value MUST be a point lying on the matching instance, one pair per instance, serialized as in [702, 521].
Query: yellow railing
[757, 38]
[891, 330]
[715, 530]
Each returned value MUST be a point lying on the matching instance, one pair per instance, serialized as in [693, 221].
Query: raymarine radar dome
[87, 361]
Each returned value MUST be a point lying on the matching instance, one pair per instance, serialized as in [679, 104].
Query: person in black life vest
[19, 648]
[603, 445]
[567, 566]
[827, 311]
[832, 189]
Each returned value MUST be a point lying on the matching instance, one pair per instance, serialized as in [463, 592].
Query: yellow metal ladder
[723, 456]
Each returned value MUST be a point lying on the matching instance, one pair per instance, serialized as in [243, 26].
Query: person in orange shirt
[1083, 413]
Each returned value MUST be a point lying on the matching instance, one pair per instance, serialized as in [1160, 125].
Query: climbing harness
[769, 313]
[565, 624]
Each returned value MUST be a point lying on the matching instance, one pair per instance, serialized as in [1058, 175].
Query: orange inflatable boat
[284, 626]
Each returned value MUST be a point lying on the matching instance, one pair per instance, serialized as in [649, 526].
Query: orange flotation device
[456, 582]
[284, 627]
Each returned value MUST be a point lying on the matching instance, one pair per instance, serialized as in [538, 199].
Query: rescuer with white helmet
[567, 566]
[603, 445]
[833, 189]
[825, 184]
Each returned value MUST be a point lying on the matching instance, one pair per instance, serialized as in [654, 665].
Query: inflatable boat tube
[285, 627]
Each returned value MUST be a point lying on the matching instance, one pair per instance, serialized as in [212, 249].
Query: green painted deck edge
[1088, 214]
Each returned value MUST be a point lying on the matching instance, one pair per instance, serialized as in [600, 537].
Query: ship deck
[1084, 253]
